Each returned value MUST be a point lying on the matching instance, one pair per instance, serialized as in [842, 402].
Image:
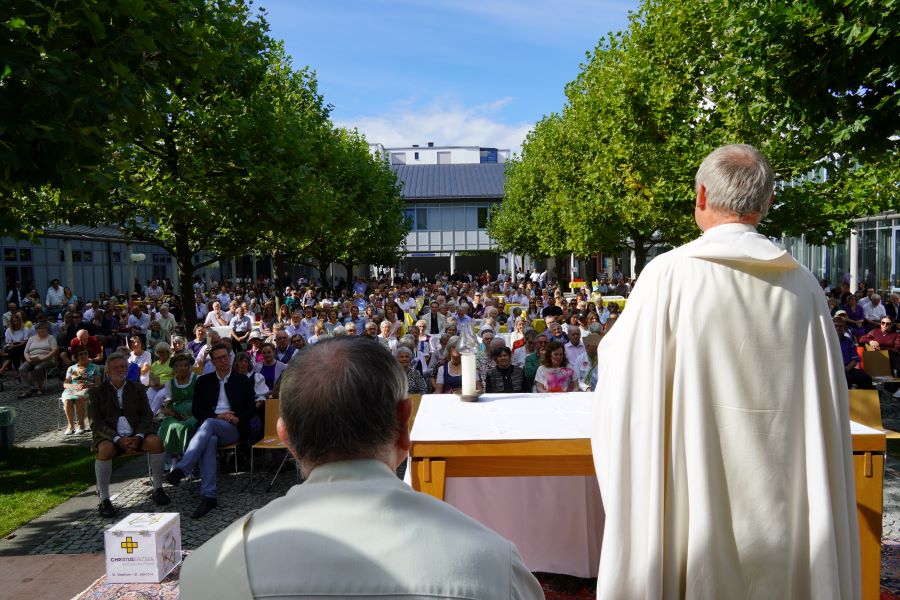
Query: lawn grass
[34, 480]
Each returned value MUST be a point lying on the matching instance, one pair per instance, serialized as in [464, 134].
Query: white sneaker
[79, 431]
[68, 431]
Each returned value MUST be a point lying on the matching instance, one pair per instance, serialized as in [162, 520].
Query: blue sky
[451, 72]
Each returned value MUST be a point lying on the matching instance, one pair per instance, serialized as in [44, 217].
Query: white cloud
[445, 122]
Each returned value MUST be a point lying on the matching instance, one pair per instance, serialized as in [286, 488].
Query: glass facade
[878, 254]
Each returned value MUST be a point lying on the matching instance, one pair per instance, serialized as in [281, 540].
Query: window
[421, 218]
[443, 158]
[25, 255]
[488, 155]
[398, 158]
[116, 257]
[87, 256]
[483, 212]
[409, 215]
[9, 254]
[417, 156]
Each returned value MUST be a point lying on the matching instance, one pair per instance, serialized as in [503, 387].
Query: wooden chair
[876, 363]
[865, 408]
[270, 439]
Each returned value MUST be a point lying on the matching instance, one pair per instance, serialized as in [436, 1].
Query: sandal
[26, 394]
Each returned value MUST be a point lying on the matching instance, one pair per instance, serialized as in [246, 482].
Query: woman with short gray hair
[406, 357]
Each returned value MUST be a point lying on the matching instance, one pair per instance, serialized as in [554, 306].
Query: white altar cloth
[555, 522]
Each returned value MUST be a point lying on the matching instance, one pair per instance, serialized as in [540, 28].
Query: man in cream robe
[722, 440]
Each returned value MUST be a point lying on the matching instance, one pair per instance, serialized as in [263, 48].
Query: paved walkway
[75, 527]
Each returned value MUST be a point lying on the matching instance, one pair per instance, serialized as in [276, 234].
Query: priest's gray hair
[339, 400]
[738, 180]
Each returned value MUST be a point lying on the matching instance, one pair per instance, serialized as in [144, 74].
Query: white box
[143, 547]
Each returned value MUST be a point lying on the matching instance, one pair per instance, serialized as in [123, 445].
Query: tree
[360, 219]
[227, 165]
[79, 78]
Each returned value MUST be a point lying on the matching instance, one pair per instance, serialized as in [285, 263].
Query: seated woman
[38, 358]
[267, 319]
[140, 357]
[449, 375]
[178, 426]
[154, 336]
[166, 322]
[179, 346]
[80, 377]
[517, 337]
[14, 343]
[160, 375]
[505, 377]
[416, 383]
[243, 366]
[554, 374]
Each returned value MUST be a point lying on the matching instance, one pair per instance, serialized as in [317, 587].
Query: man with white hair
[874, 311]
[722, 436]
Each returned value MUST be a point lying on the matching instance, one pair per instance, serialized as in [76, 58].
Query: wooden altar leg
[868, 469]
[429, 476]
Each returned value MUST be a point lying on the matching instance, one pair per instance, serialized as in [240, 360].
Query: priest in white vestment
[722, 437]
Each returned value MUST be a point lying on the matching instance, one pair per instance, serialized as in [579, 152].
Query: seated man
[856, 377]
[84, 340]
[885, 338]
[223, 407]
[122, 423]
[332, 536]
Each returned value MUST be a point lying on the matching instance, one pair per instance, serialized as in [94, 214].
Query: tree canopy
[813, 85]
[184, 122]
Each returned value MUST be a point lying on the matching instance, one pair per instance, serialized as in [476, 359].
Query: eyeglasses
[887, 322]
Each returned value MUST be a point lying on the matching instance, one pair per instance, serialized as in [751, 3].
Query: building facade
[449, 192]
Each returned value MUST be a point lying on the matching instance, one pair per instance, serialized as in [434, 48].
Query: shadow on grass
[34, 480]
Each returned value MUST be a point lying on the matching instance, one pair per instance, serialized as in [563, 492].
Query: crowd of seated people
[864, 322]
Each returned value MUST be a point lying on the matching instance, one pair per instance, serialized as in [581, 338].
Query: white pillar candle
[468, 374]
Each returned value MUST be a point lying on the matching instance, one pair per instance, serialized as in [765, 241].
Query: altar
[513, 457]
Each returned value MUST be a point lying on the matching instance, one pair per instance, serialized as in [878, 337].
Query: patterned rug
[167, 589]
[890, 569]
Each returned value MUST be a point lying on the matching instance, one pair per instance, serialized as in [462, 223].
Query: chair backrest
[273, 410]
[416, 401]
[865, 408]
[539, 325]
[876, 363]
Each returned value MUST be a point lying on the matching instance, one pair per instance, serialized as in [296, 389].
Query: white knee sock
[156, 469]
[103, 471]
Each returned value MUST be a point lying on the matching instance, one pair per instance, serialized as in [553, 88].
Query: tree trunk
[184, 259]
[640, 256]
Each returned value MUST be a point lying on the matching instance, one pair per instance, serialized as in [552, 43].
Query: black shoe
[160, 497]
[206, 505]
[174, 476]
[107, 510]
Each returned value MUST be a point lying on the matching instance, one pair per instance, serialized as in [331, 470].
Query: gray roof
[434, 182]
[84, 232]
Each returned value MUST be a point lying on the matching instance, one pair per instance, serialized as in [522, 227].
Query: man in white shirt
[154, 290]
[874, 311]
[216, 317]
[331, 536]
[139, 322]
[576, 353]
[56, 298]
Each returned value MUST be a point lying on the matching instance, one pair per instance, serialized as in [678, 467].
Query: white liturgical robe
[722, 436]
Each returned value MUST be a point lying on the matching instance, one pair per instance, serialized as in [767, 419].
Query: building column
[633, 263]
[69, 270]
[129, 271]
[452, 262]
[854, 259]
[233, 270]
